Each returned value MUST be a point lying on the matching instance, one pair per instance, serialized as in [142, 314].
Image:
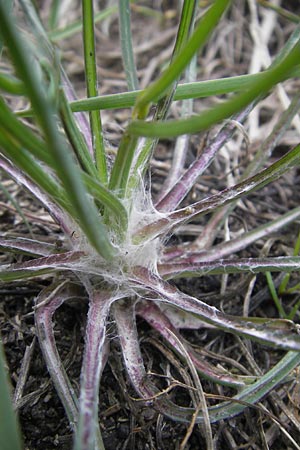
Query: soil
[126, 423]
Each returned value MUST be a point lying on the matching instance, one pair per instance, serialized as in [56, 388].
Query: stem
[226, 266]
[228, 248]
[247, 397]
[49, 300]
[92, 366]
[174, 197]
[160, 322]
[181, 216]
[280, 334]
[124, 315]
[60, 216]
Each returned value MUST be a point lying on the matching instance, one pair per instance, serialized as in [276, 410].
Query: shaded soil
[127, 423]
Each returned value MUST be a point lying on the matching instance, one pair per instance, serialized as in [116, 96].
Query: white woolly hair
[142, 213]
[129, 254]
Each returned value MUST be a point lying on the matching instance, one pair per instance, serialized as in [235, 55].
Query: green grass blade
[199, 89]
[184, 91]
[122, 165]
[11, 84]
[83, 209]
[109, 201]
[22, 159]
[7, 275]
[281, 11]
[91, 177]
[10, 437]
[9, 5]
[54, 13]
[126, 45]
[91, 83]
[121, 177]
[274, 295]
[185, 28]
[76, 27]
[255, 392]
[76, 138]
[20, 132]
[197, 40]
[221, 111]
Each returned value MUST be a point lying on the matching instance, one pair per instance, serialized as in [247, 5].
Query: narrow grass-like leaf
[126, 325]
[286, 339]
[204, 206]
[37, 28]
[285, 281]
[261, 156]
[54, 14]
[199, 89]
[75, 27]
[258, 181]
[162, 108]
[11, 84]
[158, 320]
[84, 209]
[10, 437]
[186, 25]
[179, 155]
[185, 183]
[245, 398]
[27, 246]
[9, 5]
[281, 11]
[234, 245]
[274, 295]
[91, 83]
[197, 40]
[294, 310]
[80, 117]
[60, 216]
[22, 159]
[109, 201]
[223, 266]
[23, 134]
[126, 45]
[76, 138]
[92, 366]
[47, 302]
[222, 111]
[121, 169]
[255, 392]
[40, 266]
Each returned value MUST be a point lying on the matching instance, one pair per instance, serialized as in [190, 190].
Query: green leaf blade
[10, 437]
